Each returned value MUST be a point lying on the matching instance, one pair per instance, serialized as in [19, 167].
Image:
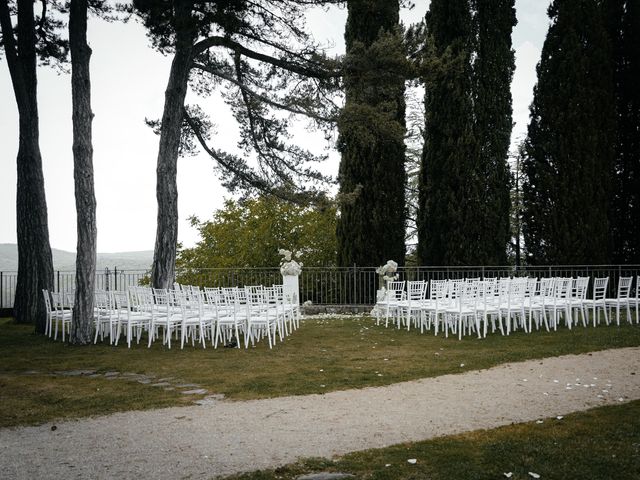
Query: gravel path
[228, 437]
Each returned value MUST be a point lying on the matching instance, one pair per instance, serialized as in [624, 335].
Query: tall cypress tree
[569, 148]
[492, 74]
[371, 226]
[624, 18]
[449, 227]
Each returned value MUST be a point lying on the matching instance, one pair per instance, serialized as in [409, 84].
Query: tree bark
[35, 266]
[164, 257]
[82, 116]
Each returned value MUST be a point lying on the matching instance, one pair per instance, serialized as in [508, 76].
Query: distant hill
[66, 261]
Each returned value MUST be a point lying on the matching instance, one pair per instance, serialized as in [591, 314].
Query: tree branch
[289, 66]
[264, 98]
[11, 50]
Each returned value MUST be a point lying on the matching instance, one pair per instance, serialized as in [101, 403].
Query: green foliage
[371, 226]
[624, 28]
[569, 148]
[448, 230]
[248, 233]
[467, 66]
[492, 74]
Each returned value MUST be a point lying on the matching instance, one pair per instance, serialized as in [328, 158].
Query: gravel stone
[227, 438]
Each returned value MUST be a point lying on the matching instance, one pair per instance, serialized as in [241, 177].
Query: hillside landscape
[66, 261]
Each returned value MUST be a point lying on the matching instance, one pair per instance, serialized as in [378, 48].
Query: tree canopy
[249, 233]
[570, 144]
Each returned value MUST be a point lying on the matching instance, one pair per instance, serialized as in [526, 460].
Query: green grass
[600, 444]
[351, 352]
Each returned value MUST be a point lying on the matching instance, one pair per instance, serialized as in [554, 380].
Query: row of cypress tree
[582, 151]
[465, 63]
[581, 155]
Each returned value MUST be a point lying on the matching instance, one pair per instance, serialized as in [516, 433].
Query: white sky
[128, 81]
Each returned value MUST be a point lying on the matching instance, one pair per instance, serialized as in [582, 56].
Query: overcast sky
[128, 81]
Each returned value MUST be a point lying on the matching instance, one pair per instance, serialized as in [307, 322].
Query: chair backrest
[69, 298]
[396, 285]
[47, 300]
[624, 287]
[121, 300]
[580, 286]
[547, 286]
[533, 287]
[563, 287]
[102, 300]
[57, 300]
[453, 288]
[600, 288]
[416, 290]
[437, 289]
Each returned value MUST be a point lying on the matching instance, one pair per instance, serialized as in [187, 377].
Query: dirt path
[228, 437]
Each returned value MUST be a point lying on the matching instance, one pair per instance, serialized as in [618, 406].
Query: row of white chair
[472, 304]
[214, 314]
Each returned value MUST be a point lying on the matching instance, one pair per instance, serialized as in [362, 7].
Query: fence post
[1, 292]
[115, 278]
[58, 279]
[355, 283]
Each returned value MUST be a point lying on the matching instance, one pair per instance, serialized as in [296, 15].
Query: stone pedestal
[292, 287]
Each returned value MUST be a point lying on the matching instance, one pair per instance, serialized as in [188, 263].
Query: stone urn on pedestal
[290, 270]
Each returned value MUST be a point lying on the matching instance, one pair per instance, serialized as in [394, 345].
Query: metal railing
[324, 285]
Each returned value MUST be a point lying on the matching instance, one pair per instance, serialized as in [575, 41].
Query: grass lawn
[323, 355]
[600, 444]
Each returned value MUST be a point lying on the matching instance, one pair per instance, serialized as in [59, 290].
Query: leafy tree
[624, 28]
[34, 36]
[493, 69]
[260, 56]
[371, 226]
[449, 227]
[248, 234]
[569, 148]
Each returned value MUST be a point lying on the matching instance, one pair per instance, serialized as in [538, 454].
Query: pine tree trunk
[81, 324]
[35, 267]
[164, 256]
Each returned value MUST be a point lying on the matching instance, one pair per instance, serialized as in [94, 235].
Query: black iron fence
[324, 286]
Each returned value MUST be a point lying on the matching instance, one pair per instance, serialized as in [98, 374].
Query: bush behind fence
[324, 286]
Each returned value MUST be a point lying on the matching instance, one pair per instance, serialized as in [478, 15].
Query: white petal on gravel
[569, 388]
[545, 393]
[379, 374]
[321, 370]
[621, 399]
[524, 380]
[600, 396]
[559, 417]
[412, 461]
[605, 391]
[387, 465]
[508, 474]
[539, 421]
[534, 475]
[462, 364]
[555, 381]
